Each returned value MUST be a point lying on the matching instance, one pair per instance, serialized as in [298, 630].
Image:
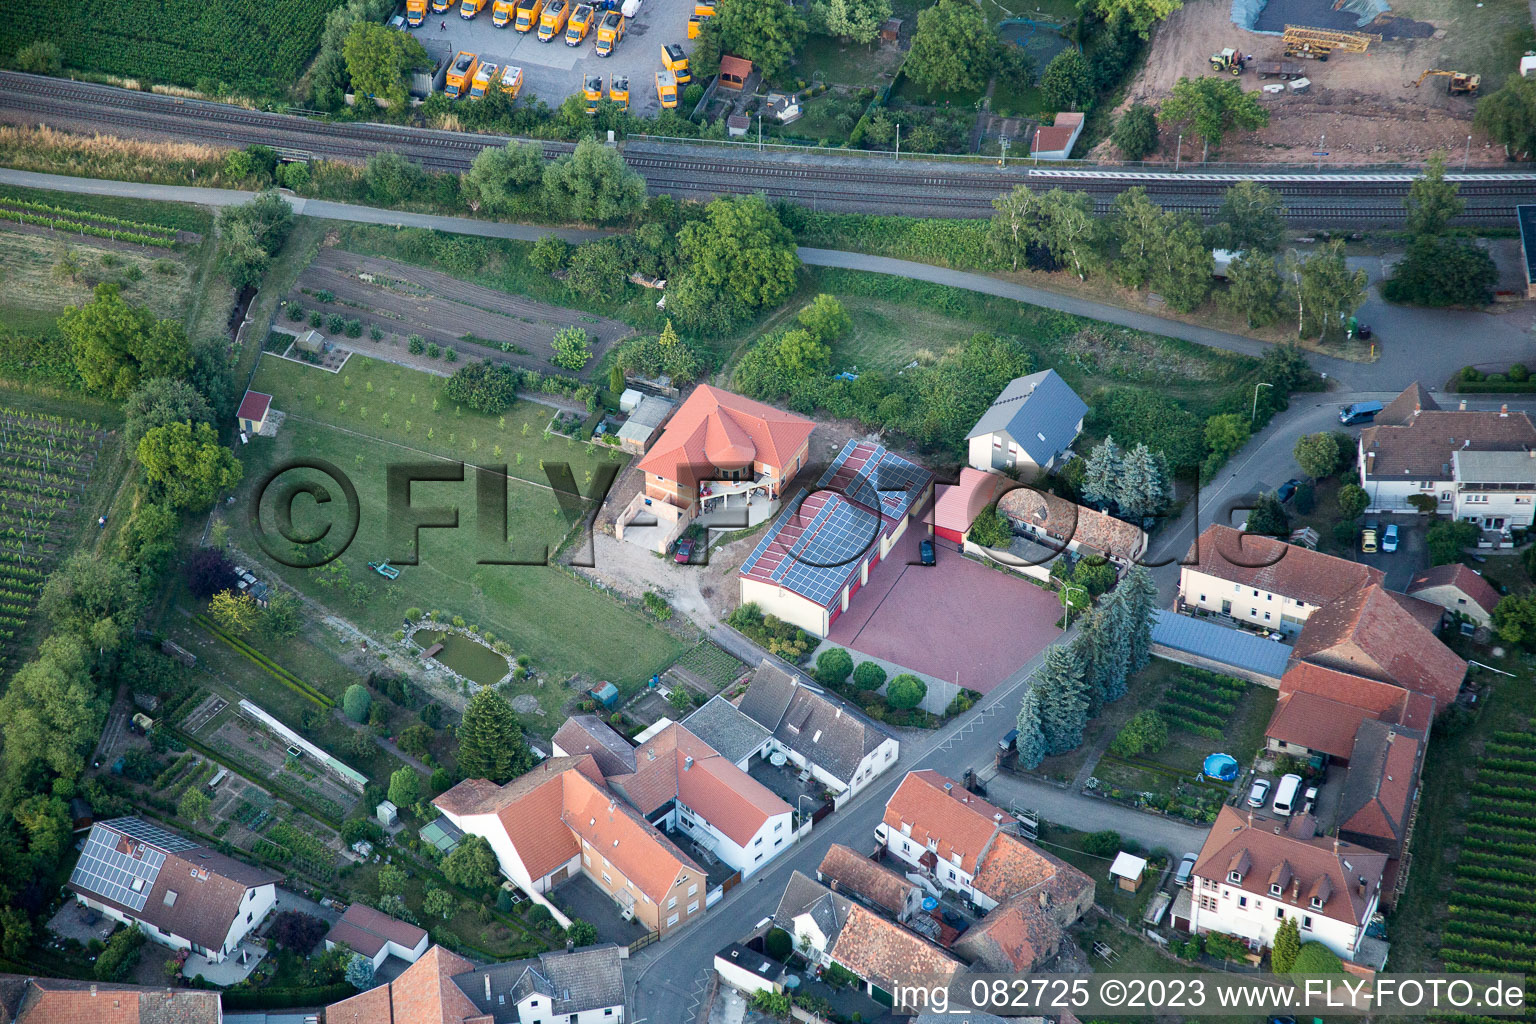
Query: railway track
[831, 183]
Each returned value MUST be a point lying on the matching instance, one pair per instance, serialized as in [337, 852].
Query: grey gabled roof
[720, 724]
[590, 978]
[588, 734]
[1038, 412]
[826, 731]
[806, 895]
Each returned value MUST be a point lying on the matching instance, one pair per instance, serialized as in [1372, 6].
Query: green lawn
[547, 613]
[1488, 40]
[826, 59]
[830, 117]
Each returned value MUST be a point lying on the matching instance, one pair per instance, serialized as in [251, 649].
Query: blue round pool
[1221, 766]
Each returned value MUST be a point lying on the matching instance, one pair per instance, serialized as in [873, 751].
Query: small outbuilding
[1128, 870]
[387, 813]
[890, 32]
[253, 411]
[737, 124]
[311, 341]
[734, 72]
[644, 423]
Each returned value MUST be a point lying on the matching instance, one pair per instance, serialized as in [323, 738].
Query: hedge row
[1493, 387]
[285, 998]
[271, 667]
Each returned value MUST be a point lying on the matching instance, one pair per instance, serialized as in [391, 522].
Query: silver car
[1186, 868]
[1259, 794]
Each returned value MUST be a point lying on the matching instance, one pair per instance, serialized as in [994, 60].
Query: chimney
[1295, 888]
[1335, 844]
[688, 762]
[93, 991]
[487, 986]
[1504, 411]
[1045, 899]
[1463, 406]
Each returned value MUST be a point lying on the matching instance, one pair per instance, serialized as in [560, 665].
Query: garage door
[837, 610]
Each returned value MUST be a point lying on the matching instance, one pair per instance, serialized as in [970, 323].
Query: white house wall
[787, 605]
[257, 904]
[1262, 608]
[1257, 920]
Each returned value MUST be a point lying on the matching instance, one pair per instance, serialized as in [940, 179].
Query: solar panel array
[123, 878]
[138, 828]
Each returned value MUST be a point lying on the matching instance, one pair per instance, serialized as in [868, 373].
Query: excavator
[1460, 84]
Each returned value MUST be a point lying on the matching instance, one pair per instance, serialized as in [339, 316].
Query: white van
[1285, 794]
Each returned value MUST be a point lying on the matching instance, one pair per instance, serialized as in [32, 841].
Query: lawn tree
[499, 177]
[1093, 574]
[825, 318]
[1135, 134]
[161, 400]
[593, 185]
[378, 59]
[359, 972]
[235, 613]
[404, 787]
[116, 345]
[1286, 947]
[1268, 518]
[416, 740]
[188, 465]
[1210, 106]
[1509, 117]
[1063, 699]
[953, 48]
[990, 529]
[355, 701]
[1317, 454]
[1514, 619]
[570, 348]
[296, 930]
[1441, 271]
[766, 34]
[1015, 227]
[1352, 500]
[1140, 15]
[1254, 289]
[1101, 478]
[207, 571]
[1325, 291]
[1137, 594]
[1446, 539]
[1067, 82]
[742, 250]
[1143, 483]
[437, 902]
[833, 666]
[51, 711]
[856, 21]
[581, 933]
[193, 805]
[1145, 733]
[1225, 434]
[1015, 66]
[869, 676]
[1432, 201]
[472, 866]
[1251, 219]
[905, 691]
[1030, 743]
[491, 744]
[392, 880]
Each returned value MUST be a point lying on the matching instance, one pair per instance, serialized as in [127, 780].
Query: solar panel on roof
[138, 828]
[124, 877]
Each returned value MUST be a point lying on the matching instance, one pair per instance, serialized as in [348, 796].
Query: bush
[905, 691]
[833, 666]
[868, 676]
[120, 954]
[355, 701]
[1102, 844]
[298, 931]
[1316, 958]
[778, 944]
[1145, 733]
[415, 344]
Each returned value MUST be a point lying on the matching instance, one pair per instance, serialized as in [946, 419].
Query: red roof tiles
[717, 429]
[959, 822]
[1369, 633]
[1267, 564]
[1316, 723]
[1462, 578]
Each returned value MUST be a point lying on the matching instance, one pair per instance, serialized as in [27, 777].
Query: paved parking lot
[1411, 555]
[552, 71]
[955, 620]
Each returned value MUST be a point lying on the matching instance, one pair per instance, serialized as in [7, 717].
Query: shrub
[778, 944]
[335, 323]
[905, 691]
[833, 666]
[355, 701]
[869, 676]
[1145, 733]
[415, 344]
[1316, 958]
[376, 333]
[432, 350]
[1102, 844]
[353, 328]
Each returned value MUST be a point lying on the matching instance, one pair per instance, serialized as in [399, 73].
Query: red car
[684, 551]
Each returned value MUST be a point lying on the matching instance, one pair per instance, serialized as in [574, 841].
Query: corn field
[45, 464]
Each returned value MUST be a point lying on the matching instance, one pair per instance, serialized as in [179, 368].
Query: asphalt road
[1427, 345]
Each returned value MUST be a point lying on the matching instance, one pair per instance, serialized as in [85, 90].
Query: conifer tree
[1101, 478]
[1063, 703]
[1030, 743]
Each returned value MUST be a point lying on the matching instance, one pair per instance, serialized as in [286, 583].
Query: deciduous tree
[207, 571]
[296, 930]
[857, 21]
[498, 178]
[188, 464]
[116, 345]
[1317, 454]
[437, 902]
[1145, 733]
[1509, 117]
[1440, 271]
[1268, 518]
[404, 787]
[161, 400]
[570, 348]
[193, 805]
[1352, 500]
[1254, 288]
[1251, 219]
[952, 49]
[378, 58]
[1432, 201]
[594, 185]
[905, 691]
[235, 613]
[766, 34]
[1135, 134]
[472, 865]
[1067, 82]
[1140, 15]
[1210, 106]
[742, 250]
[1324, 290]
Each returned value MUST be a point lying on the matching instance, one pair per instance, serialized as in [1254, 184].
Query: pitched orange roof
[1368, 633]
[884, 952]
[1463, 578]
[718, 429]
[1316, 723]
[1264, 563]
[847, 870]
[1372, 695]
[956, 506]
[423, 994]
[1016, 936]
[614, 830]
[1068, 521]
[1012, 867]
[958, 821]
[529, 809]
[66, 1001]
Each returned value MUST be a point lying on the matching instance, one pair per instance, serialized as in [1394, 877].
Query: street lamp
[1066, 590]
[1467, 156]
[1003, 142]
[898, 141]
[802, 796]
[1178, 151]
[1255, 414]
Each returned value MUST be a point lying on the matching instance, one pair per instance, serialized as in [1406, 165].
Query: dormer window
[1317, 903]
[1235, 877]
[1274, 890]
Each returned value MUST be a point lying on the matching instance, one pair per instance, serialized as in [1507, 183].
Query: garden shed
[1128, 870]
[253, 411]
[605, 694]
[734, 72]
[644, 423]
[311, 341]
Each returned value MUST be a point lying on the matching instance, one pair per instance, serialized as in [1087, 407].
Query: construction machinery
[618, 90]
[1319, 43]
[666, 89]
[1460, 84]
[461, 73]
[580, 23]
[485, 77]
[469, 8]
[592, 89]
[526, 15]
[511, 80]
[609, 31]
[552, 21]
[415, 12]
[676, 61]
[1230, 60]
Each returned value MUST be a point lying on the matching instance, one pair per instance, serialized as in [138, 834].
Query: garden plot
[402, 300]
[261, 755]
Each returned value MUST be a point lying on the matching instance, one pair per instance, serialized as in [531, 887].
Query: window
[1235, 877]
[1317, 904]
[1253, 611]
[758, 841]
[889, 753]
[757, 858]
[1306, 922]
[1269, 597]
[1274, 890]
[609, 1012]
[248, 918]
[693, 890]
[606, 879]
[778, 825]
[1202, 598]
[1255, 593]
[693, 906]
[671, 920]
[1242, 901]
[997, 442]
[779, 841]
[1266, 616]
[1279, 913]
[533, 1002]
[672, 903]
[906, 830]
[951, 874]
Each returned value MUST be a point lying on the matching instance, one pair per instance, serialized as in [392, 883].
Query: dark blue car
[925, 552]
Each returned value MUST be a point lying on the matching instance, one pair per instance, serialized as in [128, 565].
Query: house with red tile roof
[565, 816]
[423, 994]
[1458, 589]
[1060, 524]
[956, 506]
[376, 935]
[26, 1000]
[1381, 786]
[1386, 701]
[845, 870]
[1252, 875]
[252, 414]
[717, 446]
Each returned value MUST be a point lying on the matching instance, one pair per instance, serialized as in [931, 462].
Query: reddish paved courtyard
[957, 618]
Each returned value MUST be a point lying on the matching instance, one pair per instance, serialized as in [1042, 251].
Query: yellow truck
[512, 80]
[552, 21]
[528, 15]
[415, 12]
[676, 61]
[461, 73]
[696, 25]
[618, 90]
[485, 78]
[581, 22]
[469, 8]
[609, 31]
[501, 13]
[666, 89]
[592, 90]
[441, 6]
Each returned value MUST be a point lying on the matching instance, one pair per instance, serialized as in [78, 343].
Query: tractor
[1230, 60]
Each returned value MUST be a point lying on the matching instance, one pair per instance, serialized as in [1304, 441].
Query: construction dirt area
[475, 321]
[1361, 108]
